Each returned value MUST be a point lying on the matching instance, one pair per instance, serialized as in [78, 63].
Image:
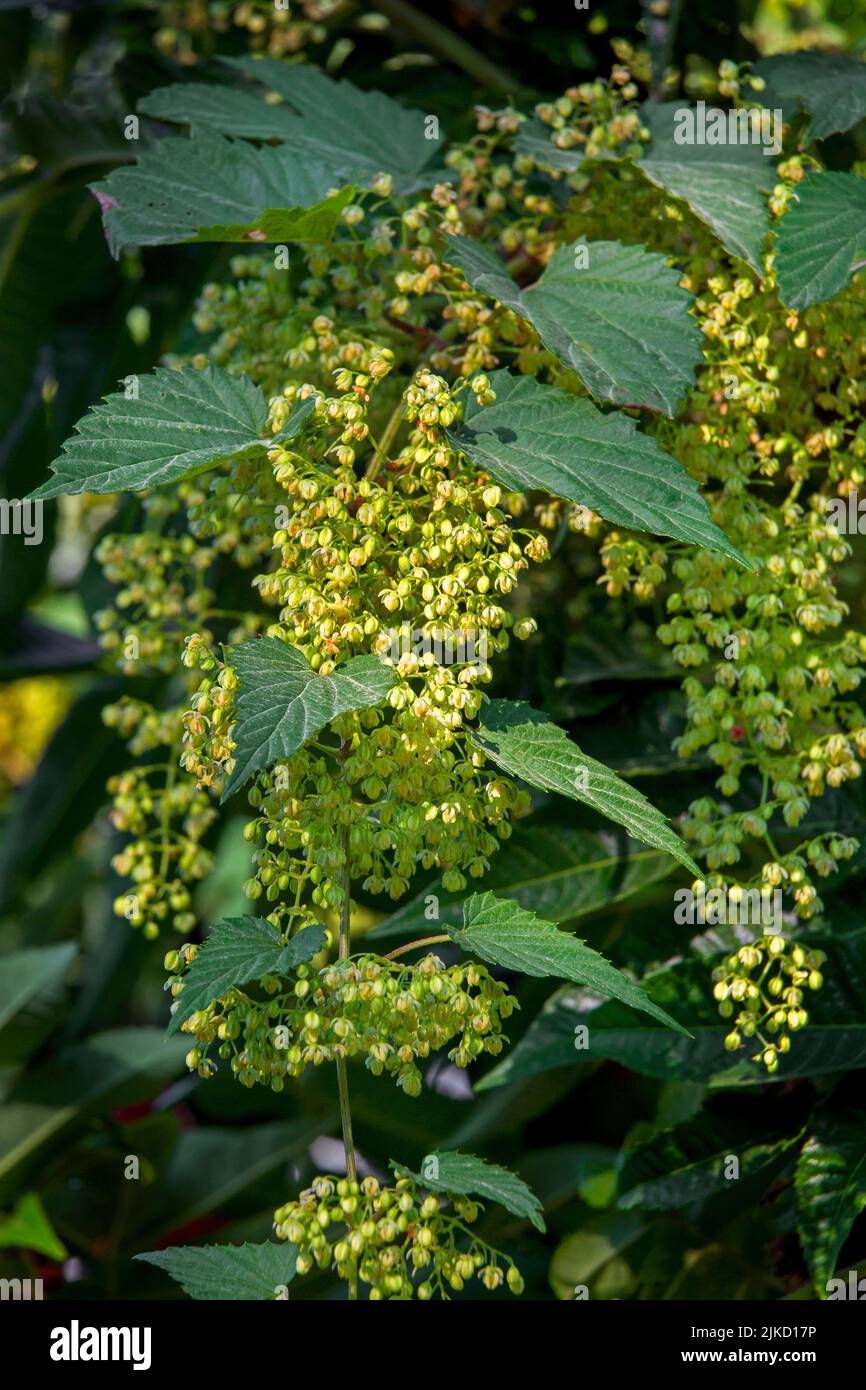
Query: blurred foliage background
[86, 1075]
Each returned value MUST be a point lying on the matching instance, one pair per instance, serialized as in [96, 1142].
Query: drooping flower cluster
[397, 1241]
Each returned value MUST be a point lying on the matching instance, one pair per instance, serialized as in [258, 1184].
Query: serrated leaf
[821, 238]
[352, 133]
[181, 424]
[551, 868]
[474, 1177]
[237, 1272]
[240, 949]
[536, 436]
[208, 188]
[725, 186]
[28, 973]
[524, 743]
[830, 86]
[282, 701]
[28, 1228]
[502, 933]
[830, 1187]
[621, 322]
[690, 1162]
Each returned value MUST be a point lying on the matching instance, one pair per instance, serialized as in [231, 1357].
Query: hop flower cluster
[391, 1014]
[767, 981]
[396, 1240]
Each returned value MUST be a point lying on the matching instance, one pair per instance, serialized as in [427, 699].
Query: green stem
[342, 1075]
[410, 945]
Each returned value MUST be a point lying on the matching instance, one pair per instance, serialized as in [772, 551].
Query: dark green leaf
[240, 949]
[621, 321]
[830, 86]
[504, 934]
[724, 185]
[282, 702]
[351, 133]
[551, 868]
[821, 238]
[29, 972]
[536, 436]
[691, 1162]
[474, 1177]
[524, 743]
[211, 189]
[228, 1271]
[830, 1185]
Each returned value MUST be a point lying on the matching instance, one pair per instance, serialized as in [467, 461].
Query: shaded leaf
[821, 238]
[829, 86]
[725, 186]
[117, 1067]
[830, 1186]
[352, 133]
[689, 1163]
[551, 868]
[28, 973]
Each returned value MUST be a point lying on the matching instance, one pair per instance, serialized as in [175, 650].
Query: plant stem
[342, 1075]
[410, 945]
[449, 46]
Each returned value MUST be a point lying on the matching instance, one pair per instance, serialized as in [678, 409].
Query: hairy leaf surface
[474, 1177]
[536, 436]
[282, 701]
[525, 744]
[240, 949]
[621, 321]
